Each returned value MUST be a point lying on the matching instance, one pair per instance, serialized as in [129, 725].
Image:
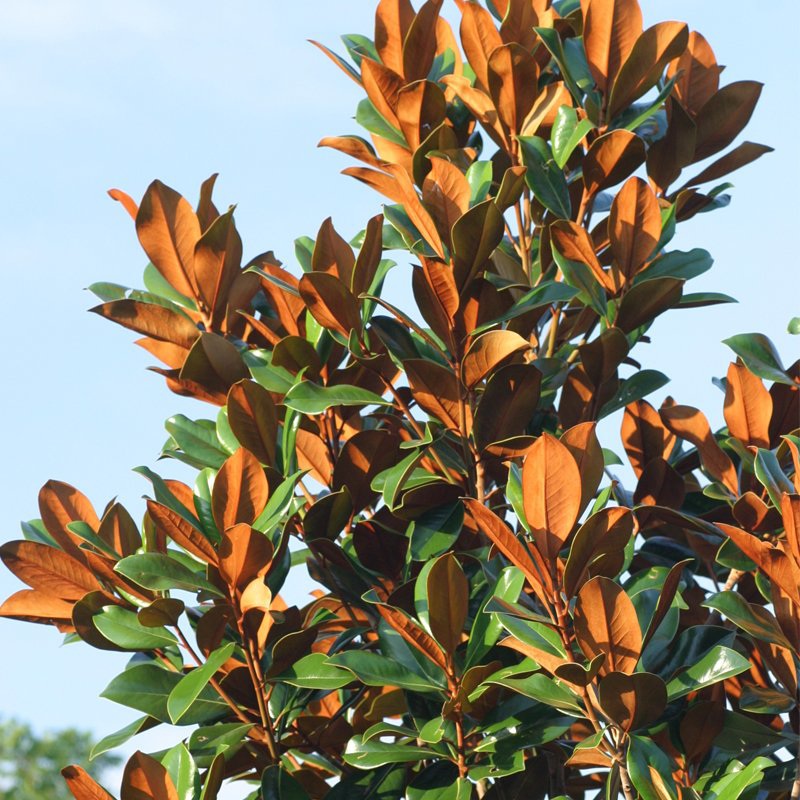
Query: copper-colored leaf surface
[512, 548]
[771, 559]
[332, 253]
[611, 158]
[513, 84]
[724, 116]
[330, 302]
[575, 244]
[634, 226]
[60, 504]
[632, 701]
[508, 403]
[361, 459]
[598, 547]
[253, 419]
[644, 67]
[32, 605]
[244, 555]
[582, 442]
[146, 779]
[790, 510]
[168, 231]
[692, 425]
[610, 30]
[698, 73]
[382, 86]
[393, 18]
[181, 532]
[551, 490]
[605, 622]
[488, 351]
[448, 599]
[419, 47]
[313, 455]
[49, 570]
[217, 262]
[128, 203]
[82, 785]
[644, 435]
[748, 407]
[151, 320]
[446, 193]
[240, 490]
[479, 38]
[119, 531]
[437, 391]
[414, 635]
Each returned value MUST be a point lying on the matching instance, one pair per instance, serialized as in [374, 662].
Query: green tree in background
[29, 764]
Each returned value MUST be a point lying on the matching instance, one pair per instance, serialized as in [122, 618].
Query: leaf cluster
[498, 615]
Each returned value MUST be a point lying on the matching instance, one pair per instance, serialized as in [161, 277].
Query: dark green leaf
[759, 356]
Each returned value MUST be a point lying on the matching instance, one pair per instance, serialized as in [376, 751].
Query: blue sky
[98, 95]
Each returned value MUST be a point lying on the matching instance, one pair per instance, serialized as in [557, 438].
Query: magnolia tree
[497, 615]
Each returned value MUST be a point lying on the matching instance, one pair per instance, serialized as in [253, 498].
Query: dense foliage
[498, 615]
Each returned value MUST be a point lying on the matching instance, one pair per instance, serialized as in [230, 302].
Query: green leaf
[118, 738]
[162, 573]
[733, 785]
[770, 475]
[756, 621]
[166, 498]
[188, 689]
[435, 531]
[759, 356]
[479, 178]
[108, 291]
[741, 735]
[567, 134]
[439, 781]
[718, 664]
[373, 753]
[146, 688]
[794, 326]
[315, 671]
[180, 765]
[198, 439]
[486, 629]
[677, 264]
[702, 299]
[368, 117]
[156, 283]
[647, 762]
[278, 784]
[279, 503]
[543, 689]
[310, 398]
[212, 740]
[543, 295]
[580, 276]
[545, 178]
[122, 627]
[373, 669]
[638, 386]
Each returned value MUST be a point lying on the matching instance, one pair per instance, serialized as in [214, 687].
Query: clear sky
[99, 94]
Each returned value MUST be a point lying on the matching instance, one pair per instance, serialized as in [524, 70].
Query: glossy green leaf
[755, 620]
[545, 178]
[435, 531]
[310, 398]
[122, 627]
[373, 669]
[162, 573]
[720, 663]
[315, 671]
[646, 763]
[374, 753]
[181, 768]
[770, 475]
[543, 295]
[759, 356]
[479, 178]
[637, 387]
[542, 689]
[146, 688]
[278, 784]
[567, 134]
[188, 689]
[118, 738]
[580, 277]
